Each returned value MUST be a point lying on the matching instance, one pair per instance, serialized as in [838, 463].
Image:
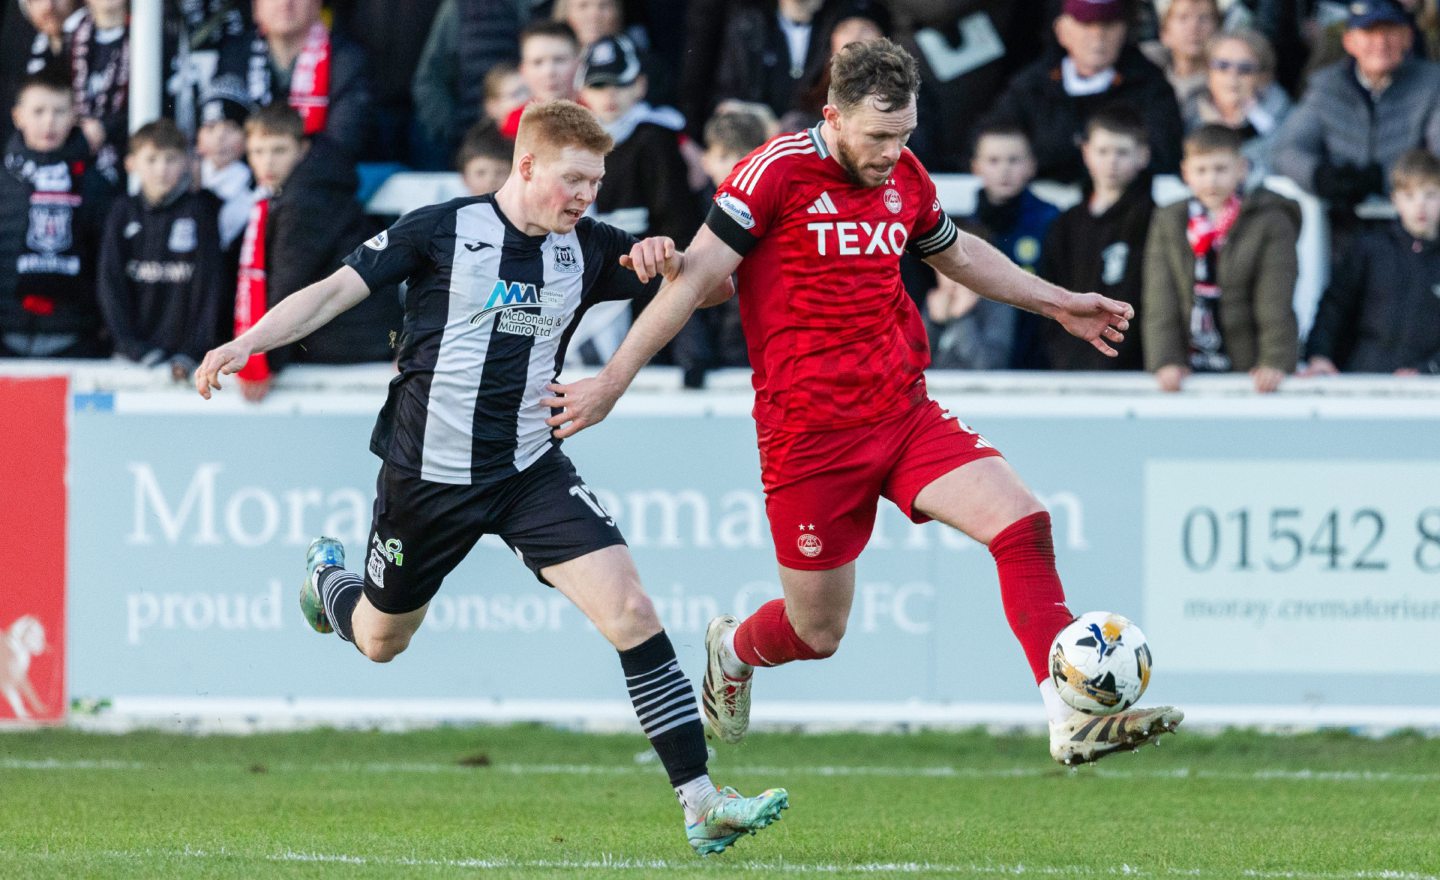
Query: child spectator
[305, 222]
[100, 75]
[713, 338]
[966, 331]
[505, 92]
[646, 191]
[220, 149]
[1220, 272]
[220, 146]
[159, 278]
[52, 206]
[549, 56]
[1098, 245]
[484, 158]
[731, 135]
[1016, 218]
[1381, 312]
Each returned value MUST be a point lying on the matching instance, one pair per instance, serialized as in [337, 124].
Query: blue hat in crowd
[1369, 13]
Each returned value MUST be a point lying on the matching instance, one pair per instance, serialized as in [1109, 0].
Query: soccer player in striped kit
[815, 222]
[497, 284]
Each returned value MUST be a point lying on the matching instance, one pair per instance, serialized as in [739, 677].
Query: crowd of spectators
[281, 115]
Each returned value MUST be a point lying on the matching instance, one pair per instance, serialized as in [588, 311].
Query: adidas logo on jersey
[822, 205]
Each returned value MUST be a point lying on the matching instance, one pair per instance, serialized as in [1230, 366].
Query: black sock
[665, 704]
[340, 592]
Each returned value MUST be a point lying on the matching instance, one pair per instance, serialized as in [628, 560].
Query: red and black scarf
[309, 81]
[1207, 238]
[250, 287]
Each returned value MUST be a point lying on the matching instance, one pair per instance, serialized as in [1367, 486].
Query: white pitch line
[935, 772]
[608, 862]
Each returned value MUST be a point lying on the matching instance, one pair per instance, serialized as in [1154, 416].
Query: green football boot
[730, 816]
[323, 551]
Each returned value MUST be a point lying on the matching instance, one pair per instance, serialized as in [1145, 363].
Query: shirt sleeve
[613, 281]
[933, 230]
[747, 203]
[399, 252]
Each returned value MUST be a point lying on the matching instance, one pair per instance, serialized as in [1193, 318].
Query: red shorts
[821, 487]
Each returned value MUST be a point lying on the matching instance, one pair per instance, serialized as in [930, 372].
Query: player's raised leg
[605, 586]
[333, 598]
[986, 500]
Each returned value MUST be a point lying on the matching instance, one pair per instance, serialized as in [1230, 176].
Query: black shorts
[422, 529]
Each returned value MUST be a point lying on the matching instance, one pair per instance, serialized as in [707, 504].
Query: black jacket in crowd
[159, 279]
[754, 61]
[348, 118]
[1055, 121]
[1381, 312]
[1102, 255]
[315, 221]
[646, 189]
[52, 207]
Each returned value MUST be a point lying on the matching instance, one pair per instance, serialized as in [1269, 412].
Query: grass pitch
[529, 801]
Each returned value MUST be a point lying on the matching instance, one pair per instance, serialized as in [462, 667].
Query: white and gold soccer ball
[1100, 663]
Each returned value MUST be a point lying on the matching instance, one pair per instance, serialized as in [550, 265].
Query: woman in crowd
[1241, 93]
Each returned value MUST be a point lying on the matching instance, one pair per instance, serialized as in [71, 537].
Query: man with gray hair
[1361, 114]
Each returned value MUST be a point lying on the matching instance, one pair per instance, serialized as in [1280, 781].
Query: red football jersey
[834, 339]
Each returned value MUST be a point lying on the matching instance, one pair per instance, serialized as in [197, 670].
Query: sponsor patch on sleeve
[378, 242]
[738, 210]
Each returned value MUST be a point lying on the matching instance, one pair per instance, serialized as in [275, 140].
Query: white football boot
[1082, 738]
[724, 699]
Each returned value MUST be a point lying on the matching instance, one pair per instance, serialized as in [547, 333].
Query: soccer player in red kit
[816, 222]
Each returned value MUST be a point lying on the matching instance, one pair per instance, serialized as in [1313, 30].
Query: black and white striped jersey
[488, 313]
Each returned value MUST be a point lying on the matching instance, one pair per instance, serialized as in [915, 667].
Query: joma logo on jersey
[513, 294]
[856, 239]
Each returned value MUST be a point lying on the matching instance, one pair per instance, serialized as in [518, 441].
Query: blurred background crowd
[283, 118]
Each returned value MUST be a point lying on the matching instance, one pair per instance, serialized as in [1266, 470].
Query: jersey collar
[819, 140]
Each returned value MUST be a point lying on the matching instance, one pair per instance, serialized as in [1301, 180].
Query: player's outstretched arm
[973, 262]
[294, 317]
[704, 267]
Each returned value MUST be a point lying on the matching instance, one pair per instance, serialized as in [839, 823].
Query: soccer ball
[1100, 663]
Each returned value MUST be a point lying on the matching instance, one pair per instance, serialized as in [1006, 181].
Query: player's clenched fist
[654, 256]
[227, 359]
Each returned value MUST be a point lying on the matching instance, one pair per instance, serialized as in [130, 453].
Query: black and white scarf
[98, 93]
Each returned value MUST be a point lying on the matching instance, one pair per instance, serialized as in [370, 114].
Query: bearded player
[815, 222]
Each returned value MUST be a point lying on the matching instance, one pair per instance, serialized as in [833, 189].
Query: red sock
[766, 638]
[1030, 587]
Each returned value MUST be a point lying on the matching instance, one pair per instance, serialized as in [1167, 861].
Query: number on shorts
[582, 491]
